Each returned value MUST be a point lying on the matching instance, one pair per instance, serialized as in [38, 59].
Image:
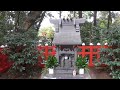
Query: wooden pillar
[57, 53]
[83, 51]
[46, 51]
[53, 50]
[75, 56]
[91, 55]
[98, 53]
[62, 62]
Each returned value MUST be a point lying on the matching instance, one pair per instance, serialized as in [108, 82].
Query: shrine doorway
[66, 61]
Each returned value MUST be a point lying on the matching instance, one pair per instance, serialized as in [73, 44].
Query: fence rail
[90, 51]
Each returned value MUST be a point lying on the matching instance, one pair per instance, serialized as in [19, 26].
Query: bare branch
[31, 18]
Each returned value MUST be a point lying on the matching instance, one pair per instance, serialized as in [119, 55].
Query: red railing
[46, 51]
[90, 51]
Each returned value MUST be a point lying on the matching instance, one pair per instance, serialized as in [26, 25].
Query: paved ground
[65, 74]
[92, 73]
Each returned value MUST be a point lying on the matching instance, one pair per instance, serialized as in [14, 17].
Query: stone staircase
[65, 73]
[60, 70]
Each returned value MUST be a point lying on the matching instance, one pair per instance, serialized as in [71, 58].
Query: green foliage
[81, 62]
[115, 74]
[111, 55]
[8, 21]
[87, 14]
[46, 34]
[22, 49]
[89, 33]
[51, 62]
[5, 24]
[85, 32]
[48, 31]
[30, 73]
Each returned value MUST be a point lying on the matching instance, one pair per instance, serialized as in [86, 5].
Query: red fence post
[98, 53]
[46, 51]
[91, 56]
[53, 50]
[83, 51]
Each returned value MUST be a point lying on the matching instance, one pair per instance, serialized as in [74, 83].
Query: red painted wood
[91, 56]
[4, 64]
[53, 50]
[83, 51]
[91, 53]
[98, 53]
[46, 52]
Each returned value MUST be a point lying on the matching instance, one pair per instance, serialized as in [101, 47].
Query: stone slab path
[65, 74]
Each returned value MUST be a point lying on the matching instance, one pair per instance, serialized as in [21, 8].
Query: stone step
[63, 71]
[69, 76]
[64, 68]
[66, 76]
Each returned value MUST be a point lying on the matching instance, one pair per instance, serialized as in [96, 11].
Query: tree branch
[95, 17]
[80, 14]
[17, 19]
[31, 18]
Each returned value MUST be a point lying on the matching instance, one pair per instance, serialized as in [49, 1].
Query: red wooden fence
[89, 51]
[46, 51]
[92, 50]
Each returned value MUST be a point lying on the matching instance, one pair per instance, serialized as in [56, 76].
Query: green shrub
[51, 62]
[81, 62]
[22, 49]
[111, 56]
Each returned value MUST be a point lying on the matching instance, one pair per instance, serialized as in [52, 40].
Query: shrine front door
[66, 61]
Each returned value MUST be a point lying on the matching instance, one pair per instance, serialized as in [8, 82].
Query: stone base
[64, 75]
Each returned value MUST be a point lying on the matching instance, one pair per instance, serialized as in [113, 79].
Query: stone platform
[65, 74]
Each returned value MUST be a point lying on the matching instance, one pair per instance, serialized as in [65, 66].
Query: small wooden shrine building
[66, 38]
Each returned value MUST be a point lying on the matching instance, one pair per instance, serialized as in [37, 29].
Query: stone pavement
[65, 74]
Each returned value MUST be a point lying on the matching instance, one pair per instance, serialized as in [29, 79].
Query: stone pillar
[75, 56]
[72, 60]
[62, 62]
[57, 53]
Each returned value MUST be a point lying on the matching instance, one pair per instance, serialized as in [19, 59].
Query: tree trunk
[95, 16]
[109, 19]
[90, 33]
[60, 14]
[80, 14]
[74, 14]
[17, 14]
[31, 18]
[40, 20]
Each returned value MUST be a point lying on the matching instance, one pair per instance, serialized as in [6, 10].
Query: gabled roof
[67, 38]
[68, 32]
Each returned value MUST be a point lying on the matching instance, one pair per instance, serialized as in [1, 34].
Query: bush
[81, 62]
[111, 56]
[90, 33]
[51, 62]
[22, 50]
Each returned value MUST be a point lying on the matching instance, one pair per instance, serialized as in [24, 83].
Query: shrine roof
[67, 38]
